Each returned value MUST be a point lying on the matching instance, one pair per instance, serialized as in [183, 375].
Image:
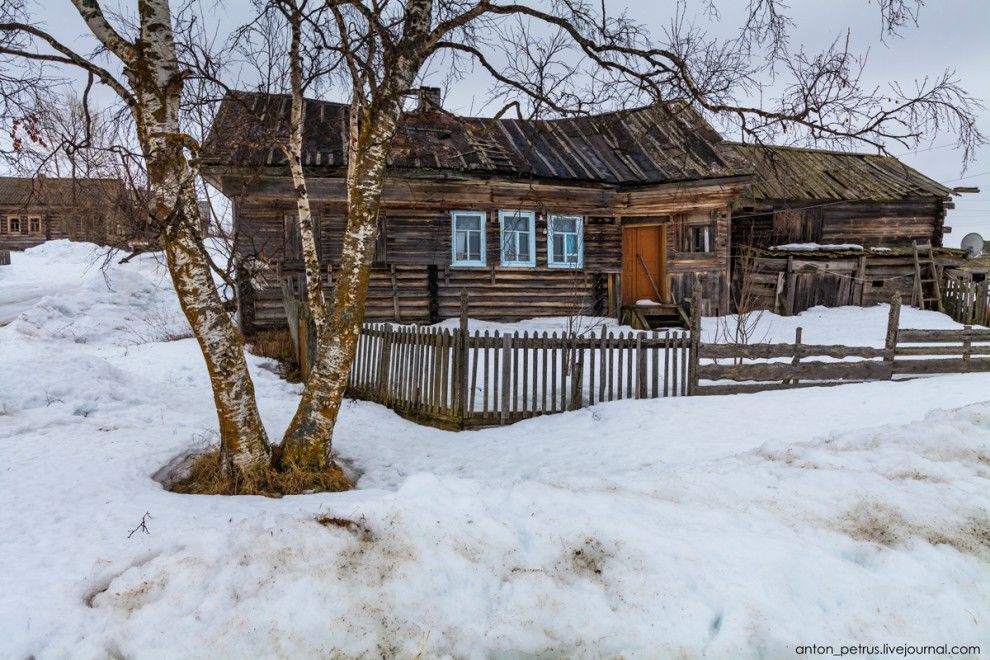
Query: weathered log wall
[413, 280]
[870, 224]
[52, 226]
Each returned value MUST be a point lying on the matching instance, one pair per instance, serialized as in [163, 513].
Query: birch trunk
[152, 70]
[316, 301]
[308, 441]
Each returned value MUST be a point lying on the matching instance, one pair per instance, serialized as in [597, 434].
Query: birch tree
[569, 57]
[144, 74]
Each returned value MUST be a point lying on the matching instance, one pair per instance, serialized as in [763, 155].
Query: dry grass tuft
[203, 477]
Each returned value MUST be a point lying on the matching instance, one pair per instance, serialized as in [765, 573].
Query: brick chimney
[429, 98]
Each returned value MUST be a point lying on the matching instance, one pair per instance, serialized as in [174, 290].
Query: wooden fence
[4, 257]
[906, 353]
[967, 301]
[453, 378]
[458, 379]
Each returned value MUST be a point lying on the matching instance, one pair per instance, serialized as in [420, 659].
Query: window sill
[694, 255]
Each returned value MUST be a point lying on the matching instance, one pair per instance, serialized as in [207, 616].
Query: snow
[815, 247]
[735, 526]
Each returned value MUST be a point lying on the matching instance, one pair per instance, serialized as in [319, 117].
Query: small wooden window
[699, 238]
[468, 238]
[565, 241]
[14, 222]
[518, 232]
[34, 224]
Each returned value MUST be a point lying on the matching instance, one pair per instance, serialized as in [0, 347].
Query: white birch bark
[315, 299]
[308, 441]
[153, 72]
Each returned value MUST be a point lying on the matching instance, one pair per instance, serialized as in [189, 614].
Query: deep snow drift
[697, 527]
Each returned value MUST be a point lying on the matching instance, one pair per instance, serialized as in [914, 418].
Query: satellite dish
[973, 243]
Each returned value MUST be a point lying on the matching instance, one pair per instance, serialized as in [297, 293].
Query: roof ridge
[752, 145]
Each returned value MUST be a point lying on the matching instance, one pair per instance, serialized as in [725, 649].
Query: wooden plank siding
[870, 224]
[412, 272]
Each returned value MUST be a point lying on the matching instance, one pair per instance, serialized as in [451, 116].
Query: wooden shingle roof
[792, 173]
[655, 144]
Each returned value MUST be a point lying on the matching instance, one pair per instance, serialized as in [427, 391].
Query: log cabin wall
[687, 264]
[870, 224]
[412, 278]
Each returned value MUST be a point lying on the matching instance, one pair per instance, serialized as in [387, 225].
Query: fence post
[577, 382]
[791, 287]
[506, 372]
[384, 365]
[694, 351]
[462, 359]
[893, 321]
[967, 351]
[796, 360]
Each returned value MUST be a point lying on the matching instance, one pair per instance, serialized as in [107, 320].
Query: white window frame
[34, 217]
[531, 217]
[580, 235]
[468, 263]
[10, 226]
[706, 230]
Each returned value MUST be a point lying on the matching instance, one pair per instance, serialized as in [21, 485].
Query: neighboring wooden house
[530, 218]
[34, 210]
[590, 215]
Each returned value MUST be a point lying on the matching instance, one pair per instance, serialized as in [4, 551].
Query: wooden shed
[835, 198]
[530, 218]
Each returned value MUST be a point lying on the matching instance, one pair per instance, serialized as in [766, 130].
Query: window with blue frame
[565, 241]
[468, 238]
[518, 238]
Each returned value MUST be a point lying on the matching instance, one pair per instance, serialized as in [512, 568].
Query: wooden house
[596, 215]
[34, 210]
[530, 218]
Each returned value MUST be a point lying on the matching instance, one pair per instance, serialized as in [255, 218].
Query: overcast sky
[953, 34]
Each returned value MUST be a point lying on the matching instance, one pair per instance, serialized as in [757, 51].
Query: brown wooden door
[644, 264]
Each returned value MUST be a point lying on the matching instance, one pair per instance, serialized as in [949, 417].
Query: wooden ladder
[925, 257]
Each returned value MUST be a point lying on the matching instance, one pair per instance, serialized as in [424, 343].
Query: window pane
[474, 240]
[564, 224]
[523, 247]
[469, 222]
[515, 223]
[558, 248]
[461, 246]
[509, 253]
